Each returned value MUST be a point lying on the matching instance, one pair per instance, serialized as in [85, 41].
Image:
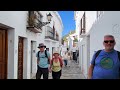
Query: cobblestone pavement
[72, 71]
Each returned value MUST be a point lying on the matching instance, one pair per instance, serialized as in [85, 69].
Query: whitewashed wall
[84, 43]
[58, 25]
[16, 22]
[83, 56]
[78, 17]
[108, 23]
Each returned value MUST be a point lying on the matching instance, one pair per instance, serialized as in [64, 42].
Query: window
[53, 31]
[49, 31]
[34, 18]
[31, 18]
[38, 17]
[57, 36]
[82, 29]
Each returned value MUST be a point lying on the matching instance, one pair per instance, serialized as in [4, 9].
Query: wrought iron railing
[51, 37]
[50, 33]
[34, 23]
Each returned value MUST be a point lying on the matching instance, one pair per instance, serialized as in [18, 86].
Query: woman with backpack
[56, 66]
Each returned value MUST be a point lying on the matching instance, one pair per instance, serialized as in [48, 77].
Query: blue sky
[68, 21]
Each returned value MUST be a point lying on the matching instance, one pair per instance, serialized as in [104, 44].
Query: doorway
[3, 54]
[33, 59]
[20, 58]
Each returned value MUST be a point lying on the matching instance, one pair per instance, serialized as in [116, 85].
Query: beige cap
[56, 52]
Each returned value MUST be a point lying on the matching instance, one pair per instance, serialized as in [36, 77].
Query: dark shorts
[56, 75]
[41, 71]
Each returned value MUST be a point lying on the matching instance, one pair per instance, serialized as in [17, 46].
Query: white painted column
[26, 59]
[12, 55]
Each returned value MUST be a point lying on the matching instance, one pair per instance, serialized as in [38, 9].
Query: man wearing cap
[42, 62]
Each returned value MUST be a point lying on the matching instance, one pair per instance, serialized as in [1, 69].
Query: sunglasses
[41, 46]
[111, 41]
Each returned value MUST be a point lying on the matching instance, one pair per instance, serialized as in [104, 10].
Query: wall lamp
[49, 16]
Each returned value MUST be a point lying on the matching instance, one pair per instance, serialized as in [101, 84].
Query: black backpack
[97, 53]
[45, 56]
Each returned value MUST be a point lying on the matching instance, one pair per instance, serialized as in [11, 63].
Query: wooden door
[20, 58]
[3, 54]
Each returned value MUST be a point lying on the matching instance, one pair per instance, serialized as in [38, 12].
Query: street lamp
[49, 16]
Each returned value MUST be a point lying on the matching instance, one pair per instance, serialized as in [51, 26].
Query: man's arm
[50, 67]
[37, 61]
[90, 71]
[37, 58]
[48, 55]
[49, 60]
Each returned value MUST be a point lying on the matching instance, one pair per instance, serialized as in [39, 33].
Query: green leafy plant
[75, 40]
[31, 18]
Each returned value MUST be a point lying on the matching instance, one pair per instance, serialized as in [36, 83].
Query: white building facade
[84, 21]
[19, 41]
[73, 46]
[53, 34]
[99, 23]
[106, 23]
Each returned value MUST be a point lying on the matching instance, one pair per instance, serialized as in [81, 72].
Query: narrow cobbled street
[72, 71]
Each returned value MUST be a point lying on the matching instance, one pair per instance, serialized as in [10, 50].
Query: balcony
[34, 21]
[51, 38]
[50, 34]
